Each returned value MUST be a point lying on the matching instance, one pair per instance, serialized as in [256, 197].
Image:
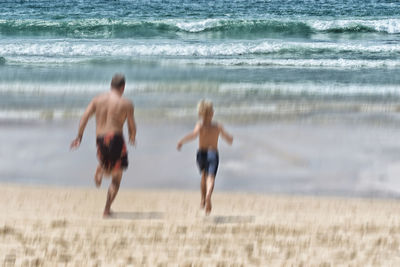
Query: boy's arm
[131, 124]
[228, 137]
[90, 110]
[189, 137]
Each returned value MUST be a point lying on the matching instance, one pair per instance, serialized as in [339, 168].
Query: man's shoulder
[100, 97]
[127, 102]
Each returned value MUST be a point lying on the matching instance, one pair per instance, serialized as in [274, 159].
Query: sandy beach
[309, 90]
[54, 226]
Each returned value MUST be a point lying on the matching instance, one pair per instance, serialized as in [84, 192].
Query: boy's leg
[203, 188]
[210, 188]
[112, 192]
[98, 176]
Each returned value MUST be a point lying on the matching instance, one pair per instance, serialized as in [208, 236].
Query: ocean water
[310, 89]
[254, 59]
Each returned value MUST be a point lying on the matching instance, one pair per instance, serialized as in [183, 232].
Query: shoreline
[330, 159]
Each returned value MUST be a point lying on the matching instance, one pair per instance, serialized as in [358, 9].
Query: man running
[111, 110]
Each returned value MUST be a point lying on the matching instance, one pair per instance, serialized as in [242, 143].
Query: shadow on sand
[218, 219]
[151, 215]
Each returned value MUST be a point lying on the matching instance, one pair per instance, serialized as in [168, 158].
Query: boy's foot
[202, 203]
[208, 207]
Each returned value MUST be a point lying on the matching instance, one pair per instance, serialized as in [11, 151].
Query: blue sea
[259, 58]
[308, 68]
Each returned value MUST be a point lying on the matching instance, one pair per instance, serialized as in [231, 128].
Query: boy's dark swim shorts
[207, 161]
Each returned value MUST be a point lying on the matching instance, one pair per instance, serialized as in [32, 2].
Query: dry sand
[46, 226]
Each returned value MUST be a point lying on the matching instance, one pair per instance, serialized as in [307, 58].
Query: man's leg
[203, 188]
[98, 176]
[112, 192]
[210, 188]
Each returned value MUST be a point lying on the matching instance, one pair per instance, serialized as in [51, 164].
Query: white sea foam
[214, 88]
[198, 25]
[309, 63]
[310, 88]
[40, 114]
[61, 88]
[104, 28]
[391, 26]
[70, 48]
[339, 63]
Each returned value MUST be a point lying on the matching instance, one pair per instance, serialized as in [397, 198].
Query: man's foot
[107, 214]
[208, 207]
[98, 176]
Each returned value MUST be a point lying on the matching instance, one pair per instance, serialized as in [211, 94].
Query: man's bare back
[111, 111]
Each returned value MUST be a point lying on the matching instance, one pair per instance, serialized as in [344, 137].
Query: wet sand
[55, 226]
[311, 158]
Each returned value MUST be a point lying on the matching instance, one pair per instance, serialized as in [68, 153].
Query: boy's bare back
[207, 130]
[208, 136]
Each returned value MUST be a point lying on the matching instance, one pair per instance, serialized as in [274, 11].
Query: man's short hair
[118, 81]
[205, 107]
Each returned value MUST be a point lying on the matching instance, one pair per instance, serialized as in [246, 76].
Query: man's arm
[228, 137]
[131, 123]
[191, 136]
[90, 110]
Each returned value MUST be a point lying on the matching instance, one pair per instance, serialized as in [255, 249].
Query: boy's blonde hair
[205, 107]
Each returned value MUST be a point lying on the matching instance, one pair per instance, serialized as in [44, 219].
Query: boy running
[207, 154]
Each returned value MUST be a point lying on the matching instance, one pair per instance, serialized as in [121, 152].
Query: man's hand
[76, 142]
[132, 141]
[179, 146]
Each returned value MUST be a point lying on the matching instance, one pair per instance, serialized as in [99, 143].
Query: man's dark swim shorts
[111, 152]
[207, 161]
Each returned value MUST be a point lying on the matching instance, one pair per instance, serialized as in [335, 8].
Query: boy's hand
[230, 140]
[179, 146]
[75, 143]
